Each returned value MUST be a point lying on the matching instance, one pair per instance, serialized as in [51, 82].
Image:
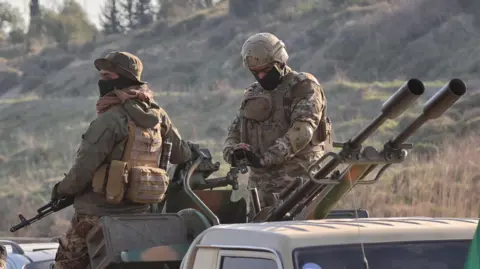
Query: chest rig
[137, 177]
[266, 115]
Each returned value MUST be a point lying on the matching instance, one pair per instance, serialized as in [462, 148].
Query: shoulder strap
[128, 146]
[249, 91]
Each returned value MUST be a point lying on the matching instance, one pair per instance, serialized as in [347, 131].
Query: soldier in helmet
[123, 144]
[281, 124]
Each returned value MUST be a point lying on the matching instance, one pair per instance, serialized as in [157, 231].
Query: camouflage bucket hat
[123, 63]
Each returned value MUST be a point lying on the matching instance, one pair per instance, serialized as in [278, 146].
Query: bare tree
[128, 9]
[110, 19]
[144, 14]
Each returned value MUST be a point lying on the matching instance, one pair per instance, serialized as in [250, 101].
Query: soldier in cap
[281, 125]
[128, 133]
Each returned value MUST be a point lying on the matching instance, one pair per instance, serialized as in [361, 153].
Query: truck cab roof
[282, 239]
[340, 231]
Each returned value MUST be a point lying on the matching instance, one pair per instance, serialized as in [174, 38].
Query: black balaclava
[107, 85]
[273, 77]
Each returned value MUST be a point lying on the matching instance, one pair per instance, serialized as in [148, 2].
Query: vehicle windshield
[16, 261]
[398, 255]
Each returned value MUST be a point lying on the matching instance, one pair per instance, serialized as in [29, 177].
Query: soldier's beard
[271, 80]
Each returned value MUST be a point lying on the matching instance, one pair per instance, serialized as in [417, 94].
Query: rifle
[51, 207]
[320, 193]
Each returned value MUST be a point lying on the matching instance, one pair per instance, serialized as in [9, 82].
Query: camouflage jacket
[103, 142]
[298, 98]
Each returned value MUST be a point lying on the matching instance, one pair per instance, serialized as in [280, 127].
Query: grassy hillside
[361, 53]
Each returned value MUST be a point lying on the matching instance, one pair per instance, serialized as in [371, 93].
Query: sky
[92, 7]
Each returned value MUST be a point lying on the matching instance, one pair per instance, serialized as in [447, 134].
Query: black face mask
[271, 80]
[106, 86]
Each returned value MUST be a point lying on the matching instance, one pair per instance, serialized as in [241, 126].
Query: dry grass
[445, 186]
[201, 64]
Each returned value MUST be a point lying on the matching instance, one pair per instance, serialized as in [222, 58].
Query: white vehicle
[29, 253]
[427, 243]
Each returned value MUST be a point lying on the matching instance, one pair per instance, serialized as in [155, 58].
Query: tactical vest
[137, 176]
[266, 115]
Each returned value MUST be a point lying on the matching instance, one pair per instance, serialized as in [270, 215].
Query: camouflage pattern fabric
[269, 137]
[72, 251]
[270, 182]
[3, 257]
[104, 141]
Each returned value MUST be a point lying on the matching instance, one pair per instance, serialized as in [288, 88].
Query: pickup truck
[346, 243]
[411, 242]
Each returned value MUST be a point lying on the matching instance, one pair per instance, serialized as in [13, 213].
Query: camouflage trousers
[72, 251]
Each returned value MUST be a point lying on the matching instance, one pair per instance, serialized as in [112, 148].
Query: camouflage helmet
[262, 49]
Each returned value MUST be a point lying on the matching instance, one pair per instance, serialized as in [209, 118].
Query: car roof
[41, 255]
[33, 251]
[35, 247]
[289, 235]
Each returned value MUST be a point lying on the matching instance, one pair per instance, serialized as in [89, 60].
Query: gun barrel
[403, 98]
[395, 105]
[290, 188]
[17, 227]
[433, 108]
[444, 98]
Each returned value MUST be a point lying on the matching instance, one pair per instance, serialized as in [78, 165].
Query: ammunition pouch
[148, 185]
[323, 133]
[139, 184]
[258, 108]
[136, 177]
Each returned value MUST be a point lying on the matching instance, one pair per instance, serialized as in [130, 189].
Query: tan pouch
[117, 181]
[98, 182]
[323, 132]
[259, 108]
[147, 184]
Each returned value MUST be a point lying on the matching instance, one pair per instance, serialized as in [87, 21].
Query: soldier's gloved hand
[242, 146]
[253, 159]
[228, 155]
